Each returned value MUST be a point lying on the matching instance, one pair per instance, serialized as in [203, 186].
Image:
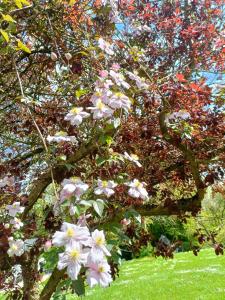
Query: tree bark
[52, 284]
[30, 280]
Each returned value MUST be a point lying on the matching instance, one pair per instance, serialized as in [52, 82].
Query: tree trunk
[30, 280]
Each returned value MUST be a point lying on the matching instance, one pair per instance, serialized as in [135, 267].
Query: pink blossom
[47, 245]
[119, 79]
[72, 187]
[71, 233]
[115, 67]
[137, 189]
[98, 244]
[72, 259]
[98, 273]
[105, 46]
[76, 116]
[105, 187]
[101, 110]
[103, 73]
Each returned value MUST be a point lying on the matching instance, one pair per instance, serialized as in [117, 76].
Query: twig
[36, 125]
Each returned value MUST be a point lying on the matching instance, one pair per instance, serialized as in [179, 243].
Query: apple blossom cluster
[104, 100]
[83, 249]
[12, 211]
[16, 247]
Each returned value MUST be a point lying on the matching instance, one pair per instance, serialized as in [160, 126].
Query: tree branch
[59, 172]
[52, 284]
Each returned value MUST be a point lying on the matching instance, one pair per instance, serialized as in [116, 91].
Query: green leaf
[99, 206]
[8, 18]
[133, 213]
[78, 286]
[80, 93]
[21, 46]
[100, 161]
[85, 203]
[25, 2]
[5, 35]
[106, 139]
[20, 3]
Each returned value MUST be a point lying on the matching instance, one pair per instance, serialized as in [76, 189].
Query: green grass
[186, 277]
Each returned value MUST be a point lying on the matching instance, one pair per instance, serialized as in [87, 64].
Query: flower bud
[54, 57]
[7, 225]
[68, 56]
[48, 245]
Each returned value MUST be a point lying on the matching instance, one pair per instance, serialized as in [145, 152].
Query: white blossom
[14, 209]
[71, 233]
[105, 187]
[9, 181]
[61, 138]
[119, 100]
[76, 115]
[17, 224]
[140, 82]
[98, 273]
[101, 110]
[105, 46]
[137, 189]
[72, 259]
[119, 79]
[98, 244]
[133, 158]
[73, 187]
[16, 247]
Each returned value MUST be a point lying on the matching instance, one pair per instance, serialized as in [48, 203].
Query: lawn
[185, 277]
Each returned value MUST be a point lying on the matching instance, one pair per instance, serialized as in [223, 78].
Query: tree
[108, 112]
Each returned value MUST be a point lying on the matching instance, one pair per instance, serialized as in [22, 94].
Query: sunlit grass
[186, 277]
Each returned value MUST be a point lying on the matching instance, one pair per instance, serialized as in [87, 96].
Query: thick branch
[174, 208]
[59, 172]
[188, 154]
[52, 284]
